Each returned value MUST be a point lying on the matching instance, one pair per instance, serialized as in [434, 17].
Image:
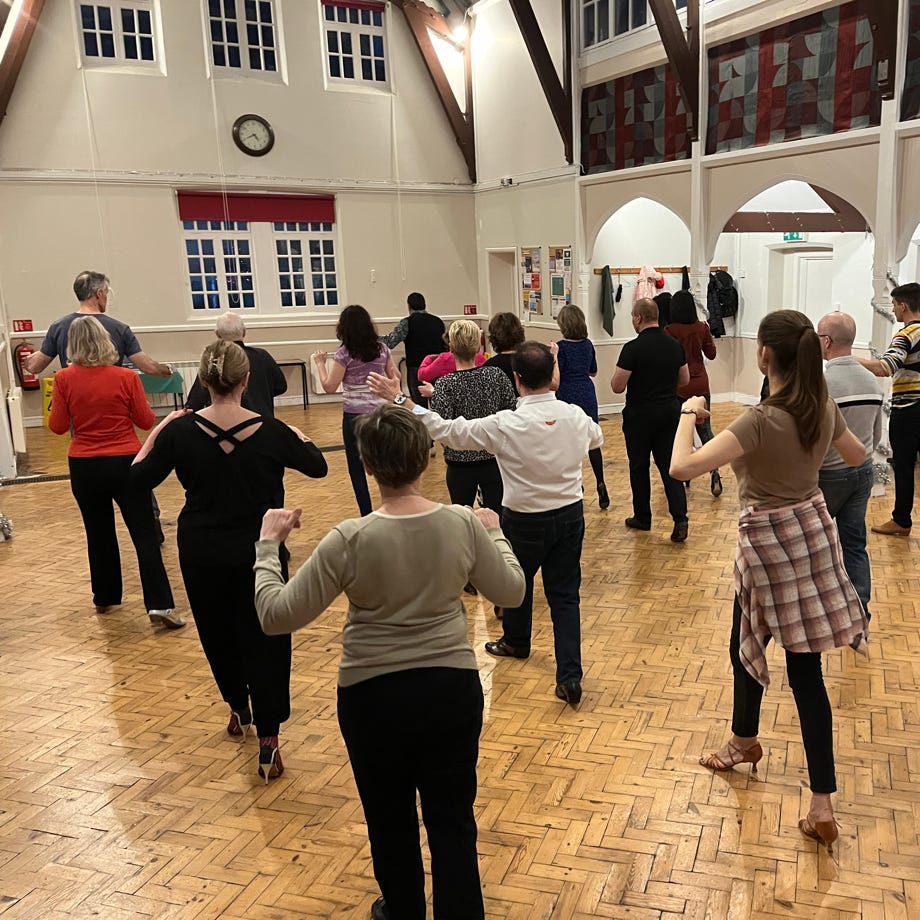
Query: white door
[814, 283]
[503, 291]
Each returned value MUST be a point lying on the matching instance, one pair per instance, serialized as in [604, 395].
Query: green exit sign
[794, 237]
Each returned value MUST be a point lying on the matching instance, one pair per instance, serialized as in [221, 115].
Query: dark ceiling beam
[18, 30]
[558, 96]
[883, 20]
[420, 21]
[792, 221]
[683, 53]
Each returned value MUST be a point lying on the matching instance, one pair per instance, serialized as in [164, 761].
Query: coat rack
[666, 270]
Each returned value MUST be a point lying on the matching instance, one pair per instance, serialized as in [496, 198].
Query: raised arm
[330, 377]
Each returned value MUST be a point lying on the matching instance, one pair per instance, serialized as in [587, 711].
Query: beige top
[775, 470]
[403, 577]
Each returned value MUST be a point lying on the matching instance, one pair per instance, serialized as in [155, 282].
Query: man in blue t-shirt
[94, 294]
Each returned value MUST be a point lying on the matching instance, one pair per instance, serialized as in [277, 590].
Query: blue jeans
[551, 541]
[847, 495]
[355, 466]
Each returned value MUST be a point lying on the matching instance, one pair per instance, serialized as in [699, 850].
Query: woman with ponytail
[231, 463]
[790, 582]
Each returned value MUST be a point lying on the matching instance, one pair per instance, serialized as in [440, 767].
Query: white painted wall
[515, 131]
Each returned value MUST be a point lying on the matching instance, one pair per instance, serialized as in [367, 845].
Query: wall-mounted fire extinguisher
[21, 354]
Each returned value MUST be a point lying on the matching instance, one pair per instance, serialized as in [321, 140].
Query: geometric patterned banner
[633, 120]
[805, 78]
[910, 99]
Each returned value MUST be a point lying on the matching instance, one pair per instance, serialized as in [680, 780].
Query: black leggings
[815, 718]
[597, 464]
[463, 479]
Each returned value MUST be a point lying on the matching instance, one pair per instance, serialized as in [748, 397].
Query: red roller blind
[253, 208]
[357, 4]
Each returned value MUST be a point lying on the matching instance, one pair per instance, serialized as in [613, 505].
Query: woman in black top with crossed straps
[231, 463]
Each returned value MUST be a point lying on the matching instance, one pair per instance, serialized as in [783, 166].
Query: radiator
[17, 424]
[189, 372]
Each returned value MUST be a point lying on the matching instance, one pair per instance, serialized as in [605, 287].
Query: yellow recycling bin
[47, 391]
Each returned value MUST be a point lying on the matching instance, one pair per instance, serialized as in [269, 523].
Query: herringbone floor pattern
[122, 797]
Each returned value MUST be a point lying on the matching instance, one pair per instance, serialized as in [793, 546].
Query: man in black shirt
[650, 369]
[266, 379]
[423, 333]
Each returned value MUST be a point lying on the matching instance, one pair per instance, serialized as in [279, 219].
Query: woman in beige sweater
[409, 697]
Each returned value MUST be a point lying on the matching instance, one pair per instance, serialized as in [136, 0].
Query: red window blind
[357, 5]
[254, 208]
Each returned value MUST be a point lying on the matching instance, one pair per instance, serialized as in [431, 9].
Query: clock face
[253, 135]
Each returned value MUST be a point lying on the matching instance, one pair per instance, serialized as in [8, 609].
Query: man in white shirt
[539, 448]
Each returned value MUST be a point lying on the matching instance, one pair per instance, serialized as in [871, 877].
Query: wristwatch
[399, 399]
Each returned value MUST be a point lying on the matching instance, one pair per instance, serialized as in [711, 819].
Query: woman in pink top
[434, 367]
[99, 404]
[362, 353]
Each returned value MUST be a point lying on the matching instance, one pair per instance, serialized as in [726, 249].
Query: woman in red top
[694, 335]
[100, 404]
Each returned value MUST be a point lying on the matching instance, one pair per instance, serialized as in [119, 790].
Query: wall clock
[253, 135]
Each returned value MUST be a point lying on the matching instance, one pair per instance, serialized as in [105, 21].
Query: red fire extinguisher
[26, 380]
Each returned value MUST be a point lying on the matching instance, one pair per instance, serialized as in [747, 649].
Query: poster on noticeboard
[531, 283]
[560, 278]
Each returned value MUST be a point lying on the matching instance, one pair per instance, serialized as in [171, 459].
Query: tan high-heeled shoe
[739, 755]
[825, 832]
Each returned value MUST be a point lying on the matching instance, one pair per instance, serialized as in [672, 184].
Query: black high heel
[603, 499]
[715, 485]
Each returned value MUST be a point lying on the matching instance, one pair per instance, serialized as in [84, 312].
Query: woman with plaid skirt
[790, 582]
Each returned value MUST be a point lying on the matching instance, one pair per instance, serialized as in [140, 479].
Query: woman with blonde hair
[790, 581]
[100, 404]
[231, 463]
[470, 392]
[577, 363]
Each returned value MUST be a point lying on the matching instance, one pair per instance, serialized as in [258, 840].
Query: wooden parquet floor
[122, 797]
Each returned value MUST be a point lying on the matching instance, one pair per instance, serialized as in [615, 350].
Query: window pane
[127, 19]
[143, 22]
[270, 61]
[147, 49]
[131, 47]
[265, 11]
[286, 299]
[327, 247]
[589, 31]
[380, 72]
[255, 59]
[603, 20]
[639, 13]
[90, 47]
[220, 59]
[296, 248]
[348, 67]
[108, 45]
[87, 16]
[366, 71]
[620, 16]
[105, 18]
[300, 298]
[234, 57]
[207, 247]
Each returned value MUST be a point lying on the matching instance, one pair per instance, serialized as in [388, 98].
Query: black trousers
[904, 434]
[649, 430]
[412, 381]
[419, 730]
[355, 467]
[463, 479]
[247, 665]
[97, 482]
[549, 542]
[815, 718]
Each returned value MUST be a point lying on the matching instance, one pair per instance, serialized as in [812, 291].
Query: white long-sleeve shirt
[539, 447]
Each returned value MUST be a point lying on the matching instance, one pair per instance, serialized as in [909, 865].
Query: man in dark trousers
[423, 333]
[650, 369]
[266, 379]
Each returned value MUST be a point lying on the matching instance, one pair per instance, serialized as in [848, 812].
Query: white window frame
[322, 237]
[242, 26]
[229, 289]
[267, 287]
[120, 59]
[364, 27]
[611, 16]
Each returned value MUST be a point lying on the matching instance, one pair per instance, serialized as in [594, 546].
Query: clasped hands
[698, 405]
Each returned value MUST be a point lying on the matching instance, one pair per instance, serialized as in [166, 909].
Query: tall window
[264, 254]
[355, 41]
[219, 260]
[306, 264]
[244, 34]
[118, 31]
